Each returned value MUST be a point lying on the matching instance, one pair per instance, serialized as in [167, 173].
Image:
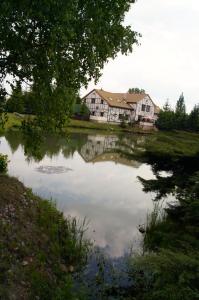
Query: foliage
[167, 106]
[58, 46]
[178, 119]
[180, 106]
[80, 110]
[166, 120]
[3, 163]
[15, 101]
[166, 275]
[20, 101]
[3, 114]
[193, 120]
[180, 113]
[169, 267]
[136, 91]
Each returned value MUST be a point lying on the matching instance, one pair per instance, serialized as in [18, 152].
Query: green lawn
[14, 121]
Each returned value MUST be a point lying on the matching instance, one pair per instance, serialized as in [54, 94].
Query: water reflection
[102, 186]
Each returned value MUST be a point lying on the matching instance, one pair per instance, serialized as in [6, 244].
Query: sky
[167, 61]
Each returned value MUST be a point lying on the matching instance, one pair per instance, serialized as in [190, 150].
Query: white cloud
[166, 63]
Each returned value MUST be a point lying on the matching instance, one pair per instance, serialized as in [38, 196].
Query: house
[117, 107]
[101, 148]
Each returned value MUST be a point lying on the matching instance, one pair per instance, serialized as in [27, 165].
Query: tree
[167, 106]
[60, 45]
[136, 91]
[180, 113]
[3, 114]
[15, 102]
[193, 120]
[180, 106]
[166, 118]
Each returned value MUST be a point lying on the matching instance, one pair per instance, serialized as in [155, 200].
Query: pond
[88, 177]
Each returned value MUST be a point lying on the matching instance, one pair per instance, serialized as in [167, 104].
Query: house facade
[101, 148]
[117, 107]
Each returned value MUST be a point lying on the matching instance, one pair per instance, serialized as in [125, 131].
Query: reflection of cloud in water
[114, 230]
[52, 169]
[107, 193]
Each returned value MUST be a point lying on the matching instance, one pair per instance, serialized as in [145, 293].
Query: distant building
[117, 107]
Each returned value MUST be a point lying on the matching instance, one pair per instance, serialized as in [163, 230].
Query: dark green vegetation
[20, 101]
[3, 163]
[3, 114]
[178, 119]
[40, 250]
[136, 91]
[169, 268]
[57, 47]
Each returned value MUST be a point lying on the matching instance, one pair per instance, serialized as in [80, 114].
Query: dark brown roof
[121, 100]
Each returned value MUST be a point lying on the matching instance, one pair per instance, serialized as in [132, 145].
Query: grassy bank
[15, 120]
[39, 249]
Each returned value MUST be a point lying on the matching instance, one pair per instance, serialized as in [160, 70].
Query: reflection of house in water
[101, 148]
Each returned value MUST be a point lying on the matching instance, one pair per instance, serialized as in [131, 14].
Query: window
[92, 113]
[101, 114]
[143, 107]
[121, 116]
[97, 107]
[148, 108]
[92, 100]
[102, 101]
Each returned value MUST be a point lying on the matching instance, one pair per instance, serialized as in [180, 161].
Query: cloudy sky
[167, 61]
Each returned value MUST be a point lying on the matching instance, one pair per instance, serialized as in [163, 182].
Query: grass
[15, 120]
[105, 126]
[40, 250]
[177, 143]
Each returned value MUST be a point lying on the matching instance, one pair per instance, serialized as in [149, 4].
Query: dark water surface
[88, 177]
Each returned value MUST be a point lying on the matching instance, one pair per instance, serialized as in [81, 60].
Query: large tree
[180, 106]
[180, 113]
[60, 45]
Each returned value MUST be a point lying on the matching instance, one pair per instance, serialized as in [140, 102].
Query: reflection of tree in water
[14, 139]
[92, 148]
[36, 146]
[178, 156]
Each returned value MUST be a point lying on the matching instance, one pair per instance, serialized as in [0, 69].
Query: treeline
[179, 119]
[25, 102]
[20, 101]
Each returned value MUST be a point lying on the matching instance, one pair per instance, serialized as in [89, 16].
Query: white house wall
[97, 107]
[112, 114]
[139, 112]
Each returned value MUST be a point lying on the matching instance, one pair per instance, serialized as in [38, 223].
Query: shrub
[3, 163]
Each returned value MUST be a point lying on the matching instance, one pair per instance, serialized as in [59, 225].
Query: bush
[3, 163]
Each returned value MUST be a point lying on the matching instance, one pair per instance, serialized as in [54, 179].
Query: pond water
[88, 177]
